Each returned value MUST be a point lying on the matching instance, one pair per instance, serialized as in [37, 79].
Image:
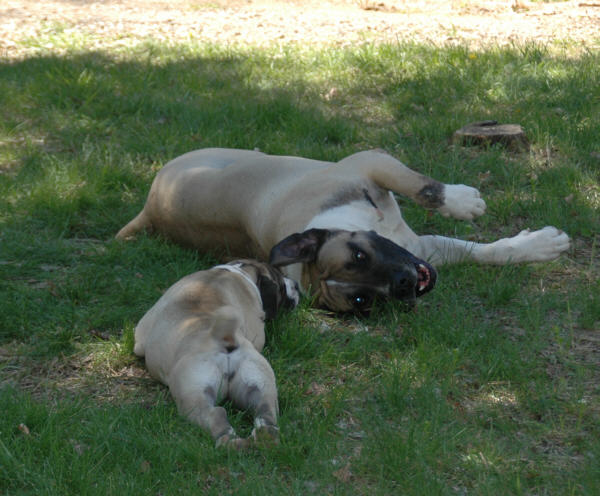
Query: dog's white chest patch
[355, 216]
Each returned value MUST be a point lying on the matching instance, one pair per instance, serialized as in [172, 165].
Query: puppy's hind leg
[196, 385]
[253, 386]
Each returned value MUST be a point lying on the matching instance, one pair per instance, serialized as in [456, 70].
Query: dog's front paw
[462, 202]
[539, 246]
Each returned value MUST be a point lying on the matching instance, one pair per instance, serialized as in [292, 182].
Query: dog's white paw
[462, 202]
[538, 246]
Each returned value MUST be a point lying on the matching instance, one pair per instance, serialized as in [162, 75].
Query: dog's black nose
[404, 282]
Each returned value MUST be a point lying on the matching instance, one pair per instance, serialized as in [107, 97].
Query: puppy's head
[348, 271]
[276, 291]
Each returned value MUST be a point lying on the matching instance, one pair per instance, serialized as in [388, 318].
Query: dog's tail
[139, 223]
[224, 329]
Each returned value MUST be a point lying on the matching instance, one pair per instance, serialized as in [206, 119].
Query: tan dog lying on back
[203, 339]
[336, 228]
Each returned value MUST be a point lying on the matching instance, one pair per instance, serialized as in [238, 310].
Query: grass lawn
[491, 387]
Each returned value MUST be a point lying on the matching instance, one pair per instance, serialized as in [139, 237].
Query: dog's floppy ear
[298, 247]
[269, 294]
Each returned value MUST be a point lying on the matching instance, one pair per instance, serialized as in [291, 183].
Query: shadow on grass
[84, 134]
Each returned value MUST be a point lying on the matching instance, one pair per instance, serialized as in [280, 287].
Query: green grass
[489, 388]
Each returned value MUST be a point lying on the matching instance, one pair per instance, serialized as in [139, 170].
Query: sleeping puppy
[203, 339]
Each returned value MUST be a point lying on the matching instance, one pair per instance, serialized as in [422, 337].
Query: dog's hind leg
[253, 386]
[527, 246]
[196, 385]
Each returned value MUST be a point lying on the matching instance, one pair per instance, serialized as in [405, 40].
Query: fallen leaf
[49, 268]
[52, 289]
[105, 336]
[331, 94]
[357, 435]
[37, 284]
[315, 388]
[484, 176]
[343, 474]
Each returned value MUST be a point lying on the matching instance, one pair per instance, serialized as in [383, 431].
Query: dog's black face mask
[348, 271]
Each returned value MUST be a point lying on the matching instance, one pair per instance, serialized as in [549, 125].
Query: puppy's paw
[232, 441]
[265, 434]
[462, 202]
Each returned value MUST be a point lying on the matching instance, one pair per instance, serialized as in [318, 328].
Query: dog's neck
[237, 269]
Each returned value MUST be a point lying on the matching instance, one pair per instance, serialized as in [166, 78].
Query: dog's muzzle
[409, 283]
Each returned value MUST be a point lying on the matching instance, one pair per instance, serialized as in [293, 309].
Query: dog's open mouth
[425, 278]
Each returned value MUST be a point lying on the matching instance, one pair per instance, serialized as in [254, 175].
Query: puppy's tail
[139, 223]
[224, 329]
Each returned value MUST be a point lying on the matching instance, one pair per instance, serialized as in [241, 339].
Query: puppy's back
[190, 298]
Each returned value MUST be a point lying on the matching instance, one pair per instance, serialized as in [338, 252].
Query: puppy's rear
[226, 323]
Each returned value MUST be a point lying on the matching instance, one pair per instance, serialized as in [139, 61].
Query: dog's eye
[360, 256]
[360, 301]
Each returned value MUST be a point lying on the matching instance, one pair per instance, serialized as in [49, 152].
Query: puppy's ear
[269, 294]
[298, 247]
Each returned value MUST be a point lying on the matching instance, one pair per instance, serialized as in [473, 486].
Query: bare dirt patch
[100, 372]
[337, 22]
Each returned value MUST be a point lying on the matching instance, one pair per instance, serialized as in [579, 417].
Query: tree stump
[488, 133]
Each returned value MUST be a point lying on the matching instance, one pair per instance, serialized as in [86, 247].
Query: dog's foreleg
[527, 246]
[451, 200]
